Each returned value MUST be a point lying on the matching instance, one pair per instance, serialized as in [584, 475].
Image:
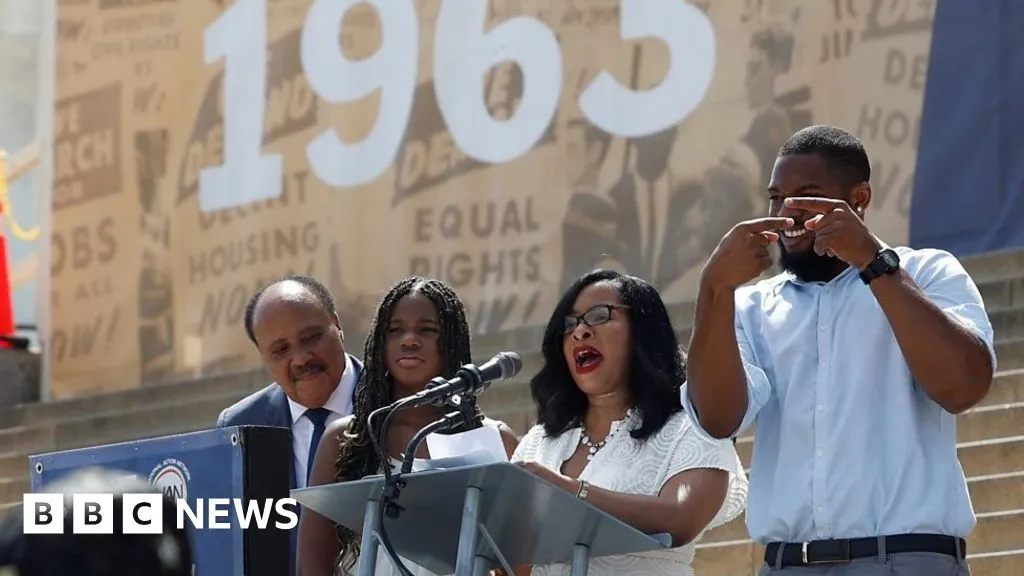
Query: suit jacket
[269, 407]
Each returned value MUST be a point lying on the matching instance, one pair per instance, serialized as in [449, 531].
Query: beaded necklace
[593, 447]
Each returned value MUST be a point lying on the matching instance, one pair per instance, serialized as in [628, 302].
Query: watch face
[890, 258]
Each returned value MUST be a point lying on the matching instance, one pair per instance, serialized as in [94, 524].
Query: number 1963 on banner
[463, 53]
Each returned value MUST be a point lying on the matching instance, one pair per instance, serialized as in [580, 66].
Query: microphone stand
[393, 484]
[450, 421]
[392, 487]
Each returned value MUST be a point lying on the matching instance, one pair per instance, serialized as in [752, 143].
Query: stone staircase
[991, 436]
[170, 409]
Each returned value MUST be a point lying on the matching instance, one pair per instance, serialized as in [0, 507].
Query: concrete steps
[1000, 409]
[13, 464]
[1000, 415]
[991, 456]
[12, 489]
[1004, 299]
[995, 266]
[1003, 294]
[745, 558]
[184, 416]
[1009, 563]
[237, 384]
[976, 458]
[991, 452]
[80, 423]
[990, 448]
[990, 422]
[998, 531]
[991, 496]
[509, 402]
[1007, 388]
[505, 401]
[996, 492]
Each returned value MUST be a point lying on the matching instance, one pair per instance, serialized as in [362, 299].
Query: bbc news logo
[143, 513]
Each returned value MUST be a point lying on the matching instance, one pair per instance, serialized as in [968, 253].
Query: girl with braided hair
[420, 332]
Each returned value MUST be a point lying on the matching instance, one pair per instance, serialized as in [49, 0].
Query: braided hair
[356, 456]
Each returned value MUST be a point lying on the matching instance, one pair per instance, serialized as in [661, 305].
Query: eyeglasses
[595, 316]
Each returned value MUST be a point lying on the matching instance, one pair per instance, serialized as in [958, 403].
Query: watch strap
[885, 262]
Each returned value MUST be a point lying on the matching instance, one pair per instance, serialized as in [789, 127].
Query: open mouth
[587, 359]
[796, 236]
[795, 232]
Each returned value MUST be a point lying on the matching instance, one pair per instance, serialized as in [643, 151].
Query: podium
[471, 519]
[247, 462]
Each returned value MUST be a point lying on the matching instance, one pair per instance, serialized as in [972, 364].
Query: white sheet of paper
[473, 458]
[482, 443]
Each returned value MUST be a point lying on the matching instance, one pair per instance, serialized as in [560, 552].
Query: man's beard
[808, 266]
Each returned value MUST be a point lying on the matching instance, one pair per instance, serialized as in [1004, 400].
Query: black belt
[840, 551]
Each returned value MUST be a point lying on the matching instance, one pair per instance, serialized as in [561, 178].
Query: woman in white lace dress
[611, 427]
[419, 332]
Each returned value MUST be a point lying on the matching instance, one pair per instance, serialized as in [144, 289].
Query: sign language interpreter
[853, 363]
[838, 232]
[743, 255]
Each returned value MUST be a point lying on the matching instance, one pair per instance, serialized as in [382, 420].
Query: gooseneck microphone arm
[469, 379]
[392, 485]
[449, 422]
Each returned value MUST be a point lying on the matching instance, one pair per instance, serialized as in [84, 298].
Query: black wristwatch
[886, 262]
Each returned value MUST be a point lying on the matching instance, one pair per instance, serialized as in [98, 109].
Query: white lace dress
[642, 467]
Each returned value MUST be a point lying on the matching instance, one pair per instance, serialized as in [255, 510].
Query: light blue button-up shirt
[847, 445]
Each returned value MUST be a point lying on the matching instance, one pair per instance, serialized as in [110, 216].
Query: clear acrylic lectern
[471, 519]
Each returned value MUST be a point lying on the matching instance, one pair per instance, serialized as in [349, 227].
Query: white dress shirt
[340, 405]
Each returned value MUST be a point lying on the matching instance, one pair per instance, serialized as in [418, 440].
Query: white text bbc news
[143, 514]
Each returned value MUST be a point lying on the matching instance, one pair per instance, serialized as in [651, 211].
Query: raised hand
[838, 231]
[742, 254]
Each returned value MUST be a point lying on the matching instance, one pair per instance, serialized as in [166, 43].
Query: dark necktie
[318, 416]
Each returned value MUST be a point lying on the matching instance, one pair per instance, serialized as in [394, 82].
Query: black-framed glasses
[595, 316]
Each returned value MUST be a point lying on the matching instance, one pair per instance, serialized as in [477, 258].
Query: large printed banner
[204, 147]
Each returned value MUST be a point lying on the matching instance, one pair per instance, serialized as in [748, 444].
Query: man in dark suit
[295, 327]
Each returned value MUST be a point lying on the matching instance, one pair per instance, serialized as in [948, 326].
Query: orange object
[6, 308]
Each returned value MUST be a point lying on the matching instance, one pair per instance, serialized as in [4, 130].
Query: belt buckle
[827, 560]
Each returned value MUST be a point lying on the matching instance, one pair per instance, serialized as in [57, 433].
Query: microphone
[470, 379]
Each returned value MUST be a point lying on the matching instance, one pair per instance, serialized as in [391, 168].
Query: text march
[144, 513]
